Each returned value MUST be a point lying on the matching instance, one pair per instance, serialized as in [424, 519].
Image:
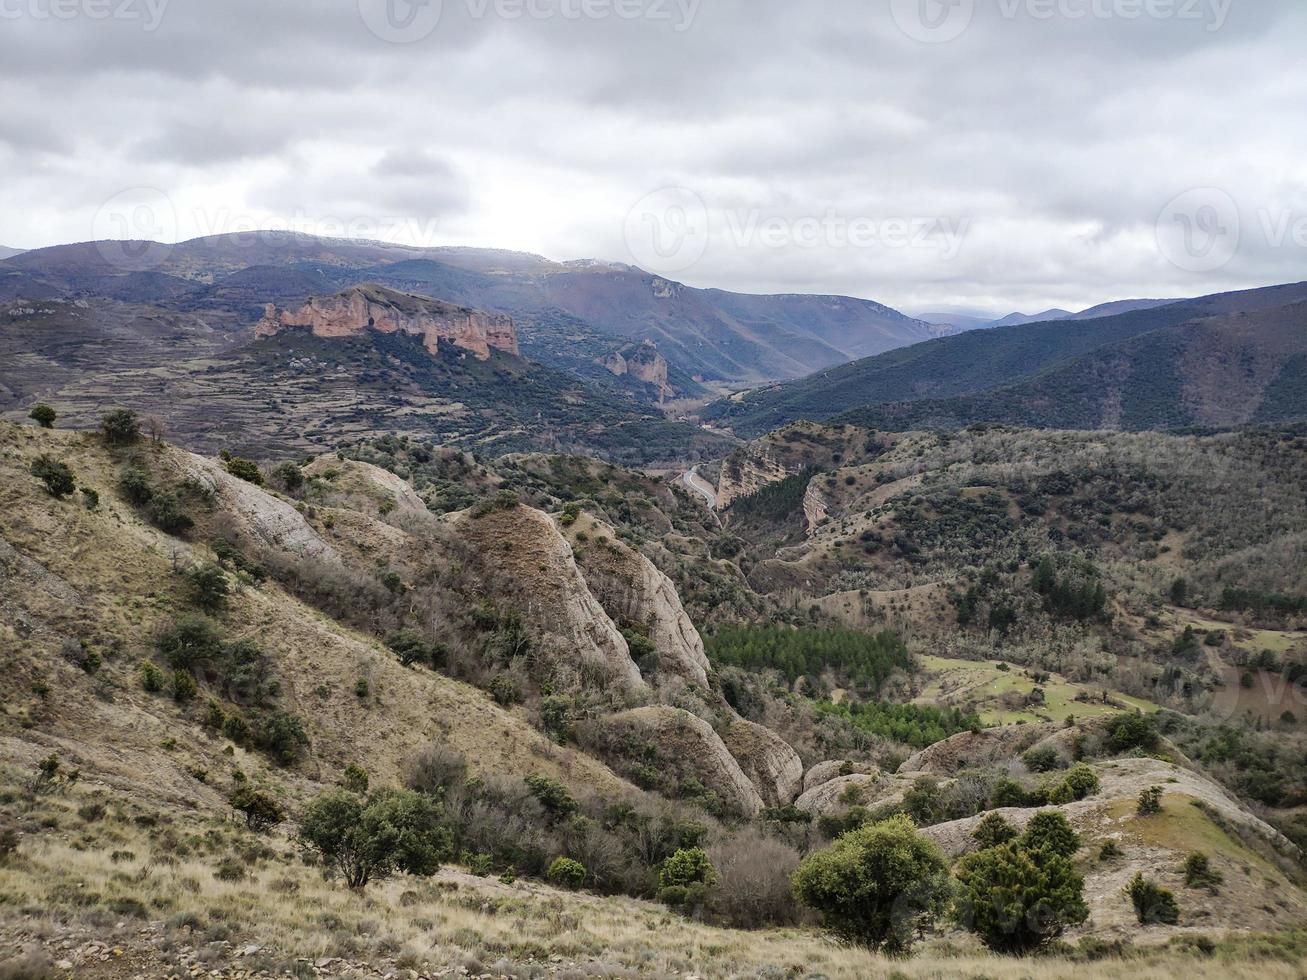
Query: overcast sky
[1004, 154]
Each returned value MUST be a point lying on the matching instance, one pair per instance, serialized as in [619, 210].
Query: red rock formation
[375, 308]
[644, 363]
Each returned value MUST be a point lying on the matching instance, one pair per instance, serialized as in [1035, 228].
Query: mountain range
[711, 335]
[1220, 360]
[597, 351]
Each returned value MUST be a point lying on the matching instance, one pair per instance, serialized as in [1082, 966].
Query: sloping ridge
[972, 362]
[1218, 372]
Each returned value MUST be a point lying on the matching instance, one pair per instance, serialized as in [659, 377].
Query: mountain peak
[1019, 319]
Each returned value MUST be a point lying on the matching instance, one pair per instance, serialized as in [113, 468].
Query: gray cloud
[1056, 141]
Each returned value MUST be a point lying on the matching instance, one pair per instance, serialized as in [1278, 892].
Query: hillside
[370, 619]
[1137, 562]
[294, 391]
[1158, 367]
[1218, 372]
[706, 334]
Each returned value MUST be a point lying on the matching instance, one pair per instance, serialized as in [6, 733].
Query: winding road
[689, 479]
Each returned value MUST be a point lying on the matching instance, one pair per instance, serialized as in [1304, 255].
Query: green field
[961, 682]
[1286, 644]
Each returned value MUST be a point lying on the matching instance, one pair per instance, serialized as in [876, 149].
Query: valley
[285, 543]
[419, 612]
[645, 490]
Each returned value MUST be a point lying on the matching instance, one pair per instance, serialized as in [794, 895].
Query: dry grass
[108, 577]
[152, 892]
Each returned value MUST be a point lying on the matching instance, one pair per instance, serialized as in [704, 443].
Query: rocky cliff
[767, 760]
[815, 510]
[679, 739]
[520, 558]
[637, 595]
[387, 311]
[644, 363]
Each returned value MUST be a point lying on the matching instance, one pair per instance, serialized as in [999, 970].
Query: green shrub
[505, 689]
[687, 867]
[244, 469]
[165, 512]
[1009, 793]
[237, 729]
[1043, 760]
[209, 588]
[1179, 592]
[121, 428]
[1110, 851]
[552, 795]
[90, 498]
[190, 642]
[1153, 904]
[1017, 900]
[230, 555]
[556, 717]
[215, 718]
[184, 687]
[43, 415]
[877, 886]
[356, 779]
[283, 739]
[1132, 732]
[56, 476]
[924, 803]
[412, 648]
[289, 476]
[993, 831]
[1150, 801]
[135, 487]
[152, 678]
[1080, 783]
[436, 769]
[230, 869]
[1049, 831]
[370, 839]
[566, 873]
[51, 772]
[8, 844]
[260, 810]
[1199, 873]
